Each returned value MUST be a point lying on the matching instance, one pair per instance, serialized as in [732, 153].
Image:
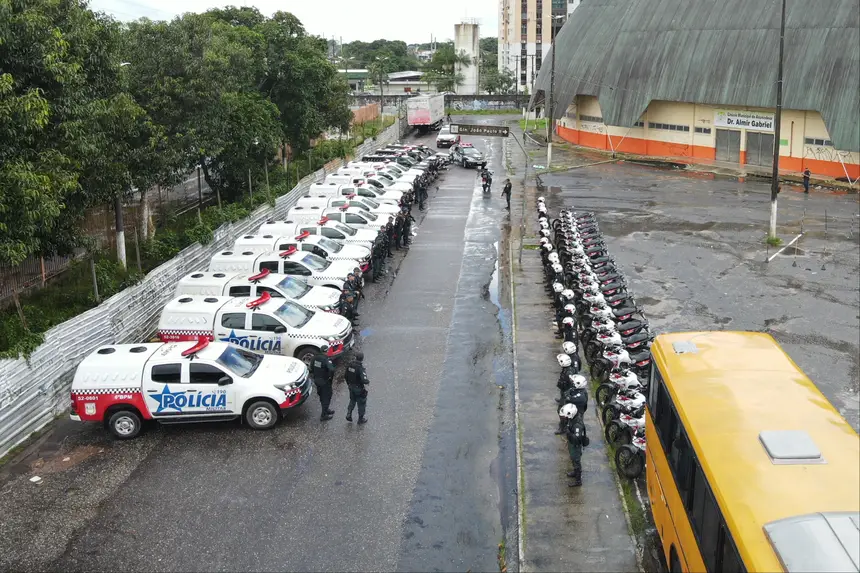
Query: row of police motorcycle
[597, 313]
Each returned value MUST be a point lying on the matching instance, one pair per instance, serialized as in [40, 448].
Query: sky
[366, 20]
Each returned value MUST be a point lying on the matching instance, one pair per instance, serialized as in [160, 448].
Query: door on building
[759, 149]
[728, 145]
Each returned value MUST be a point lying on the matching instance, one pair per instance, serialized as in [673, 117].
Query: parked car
[466, 155]
[445, 138]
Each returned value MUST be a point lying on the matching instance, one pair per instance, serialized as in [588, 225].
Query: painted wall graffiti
[592, 127]
[826, 154]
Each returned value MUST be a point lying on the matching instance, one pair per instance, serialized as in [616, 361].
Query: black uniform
[356, 380]
[389, 236]
[576, 440]
[347, 310]
[323, 371]
[506, 191]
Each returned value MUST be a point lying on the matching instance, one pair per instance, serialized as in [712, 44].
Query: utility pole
[774, 184]
[549, 119]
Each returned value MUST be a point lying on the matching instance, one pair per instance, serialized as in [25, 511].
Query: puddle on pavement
[494, 280]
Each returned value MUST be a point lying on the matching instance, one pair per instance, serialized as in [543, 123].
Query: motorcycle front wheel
[616, 434]
[604, 394]
[608, 414]
[629, 461]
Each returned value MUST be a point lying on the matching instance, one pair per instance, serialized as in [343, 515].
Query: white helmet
[548, 247]
[557, 268]
[567, 320]
[543, 220]
[541, 199]
[568, 294]
[569, 308]
[563, 360]
[543, 223]
[553, 258]
[545, 232]
[544, 240]
[577, 380]
[557, 288]
[568, 347]
[567, 411]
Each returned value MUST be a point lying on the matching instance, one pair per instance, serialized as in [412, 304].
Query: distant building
[424, 55]
[525, 35]
[688, 79]
[467, 39]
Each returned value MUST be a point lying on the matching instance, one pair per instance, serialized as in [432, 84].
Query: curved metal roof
[629, 52]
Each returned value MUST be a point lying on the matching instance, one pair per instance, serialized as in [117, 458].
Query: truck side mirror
[280, 329]
[224, 381]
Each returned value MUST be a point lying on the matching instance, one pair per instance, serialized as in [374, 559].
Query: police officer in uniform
[347, 308]
[506, 192]
[575, 393]
[356, 380]
[323, 371]
[576, 440]
[389, 235]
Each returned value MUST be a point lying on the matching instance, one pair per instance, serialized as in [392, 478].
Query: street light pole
[774, 184]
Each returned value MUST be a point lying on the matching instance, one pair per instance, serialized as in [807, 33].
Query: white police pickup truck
[324, 227]
[370, 191]
[245, 284]
[324, 247]
[266, 324]
[122, 385]
[352, 216]
[323, 202]
[308, 266]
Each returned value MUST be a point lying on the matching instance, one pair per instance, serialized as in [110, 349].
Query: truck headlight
[285, 387]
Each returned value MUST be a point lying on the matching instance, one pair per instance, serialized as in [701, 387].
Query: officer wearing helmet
[565, 362]
[568, 324]
[356, 381]
[323, 371]
[576, 440]
[575, 393]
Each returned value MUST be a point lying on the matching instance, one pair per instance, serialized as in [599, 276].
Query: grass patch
[452, 111]
[503, 564]
[539, 124]
[773, 241]
[531, 247]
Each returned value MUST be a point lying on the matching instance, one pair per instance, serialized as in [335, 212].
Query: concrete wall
[805, 142]
[467, 39]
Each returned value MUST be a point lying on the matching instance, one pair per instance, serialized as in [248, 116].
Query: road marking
[521, 486]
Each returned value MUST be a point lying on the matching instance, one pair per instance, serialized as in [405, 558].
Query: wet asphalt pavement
[427, 485]
[692, 247]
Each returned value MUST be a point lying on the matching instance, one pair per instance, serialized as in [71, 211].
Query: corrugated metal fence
[33, 392]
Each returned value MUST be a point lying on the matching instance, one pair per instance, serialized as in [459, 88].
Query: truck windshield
[239, 361]
[385, 177]
[368, 215]
[344, 229]
[315, 262]
[293, 287]
[294, 314]
[329, 245]
[370, 203]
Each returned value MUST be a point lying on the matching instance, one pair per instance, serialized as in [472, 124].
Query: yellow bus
[749, 467]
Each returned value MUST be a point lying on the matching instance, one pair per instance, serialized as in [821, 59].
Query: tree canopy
[441, 70]
[91, 109]
[359, 55]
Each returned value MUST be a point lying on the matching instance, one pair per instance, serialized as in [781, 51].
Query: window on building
[815, 141]
[705, 130]
[591, 118]
[669, 126]
[523, 78]
[537, 65]
[524, 29]
[639, 124]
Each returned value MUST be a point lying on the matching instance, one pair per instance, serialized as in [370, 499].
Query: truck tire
[306, 354]
[125, 424]
[262, 415]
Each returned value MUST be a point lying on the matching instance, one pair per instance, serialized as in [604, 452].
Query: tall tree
[441, 70]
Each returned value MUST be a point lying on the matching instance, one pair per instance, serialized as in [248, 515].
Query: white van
[266, 324]
[321, 246]
[325, 227]
[254, 285]
[315, 270]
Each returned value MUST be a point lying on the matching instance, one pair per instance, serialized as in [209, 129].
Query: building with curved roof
[697, 79]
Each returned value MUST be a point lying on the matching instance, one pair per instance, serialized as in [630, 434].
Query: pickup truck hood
[322, 297]
[365, 235]
[446, 137]
[340, 269]
[386, 209]
[279, 369]
[325, 324]
[355, 252]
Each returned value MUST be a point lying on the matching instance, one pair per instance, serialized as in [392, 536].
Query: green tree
[494, 81]
[441, 70]
[364, 53]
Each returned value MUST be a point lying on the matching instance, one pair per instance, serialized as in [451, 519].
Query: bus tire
[629, 462]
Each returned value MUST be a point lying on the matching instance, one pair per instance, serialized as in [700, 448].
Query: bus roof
[728, 388]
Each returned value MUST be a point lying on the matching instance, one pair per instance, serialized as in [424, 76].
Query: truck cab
[308, 266]
[324, 227]
[324, 247]
[255, 284]
[356, 217]
[122, 385]
[365, 203]
[265, 324]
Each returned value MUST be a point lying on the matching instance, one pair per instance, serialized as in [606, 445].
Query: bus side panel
[670, 517]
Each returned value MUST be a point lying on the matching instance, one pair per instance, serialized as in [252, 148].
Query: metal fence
[34, 391]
